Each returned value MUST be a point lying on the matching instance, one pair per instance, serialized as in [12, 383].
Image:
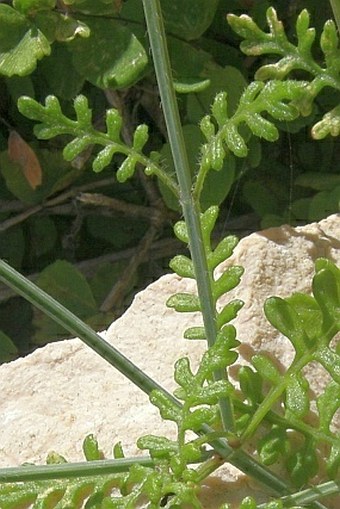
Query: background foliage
[93, 241]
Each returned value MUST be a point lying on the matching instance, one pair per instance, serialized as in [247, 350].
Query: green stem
[77, 327]
[70, 322]
[71, 470]
[335, 4]
[309, 495]
[191, 212]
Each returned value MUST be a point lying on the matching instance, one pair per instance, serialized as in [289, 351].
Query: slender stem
[335, 4]
[75, 326]
[70, 322]
[310, 494]
[71, 470]
[191, 212]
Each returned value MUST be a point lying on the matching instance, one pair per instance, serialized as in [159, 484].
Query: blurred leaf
[12, 246]
[21, 43]
[67, 285]
[228, 79]
[63, 84]
[189, 19]
[8, 350]
[57, 173]
[318, 181]
[21, 153]
[104, 279]
[188, 65]
[120, 234]
[272, 445]
[303, 464]
[112, 57]
[43, 235]
[27, 6]
[324, 204]
[260, 198]
[98, 8]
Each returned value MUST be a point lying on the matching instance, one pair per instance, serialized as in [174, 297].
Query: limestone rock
[56, 396]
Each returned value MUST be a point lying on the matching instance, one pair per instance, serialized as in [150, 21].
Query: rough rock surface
[56, 396]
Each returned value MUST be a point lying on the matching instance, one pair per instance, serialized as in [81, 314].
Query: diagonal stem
[73, 324]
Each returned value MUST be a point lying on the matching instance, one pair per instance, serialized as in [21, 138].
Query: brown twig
[60, 198]
[164, 248]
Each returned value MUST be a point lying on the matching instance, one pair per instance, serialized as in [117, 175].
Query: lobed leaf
[21, 43]
[183, 266]
[328, 403]
[230, 278]
[297, 400]
[284, 318]
[229, 312]
[272, 445]
[184, 302]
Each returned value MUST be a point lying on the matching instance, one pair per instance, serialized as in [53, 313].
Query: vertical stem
[190, 207]
[335, 4]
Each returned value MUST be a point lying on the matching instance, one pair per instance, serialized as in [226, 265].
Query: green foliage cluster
[50, 49]
[266, 406]
[270, 406]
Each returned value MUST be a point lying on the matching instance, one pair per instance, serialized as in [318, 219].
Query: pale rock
[60, 393]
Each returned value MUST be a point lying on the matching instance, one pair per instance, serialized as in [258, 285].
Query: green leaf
[326, 289]
[297, 401]
[66, 284]
[220, 354]
[308, 312]
[43, 235]
[194, 420]
[328, 404]
[126, 169]
[159, 447]
[222, 251]
[330, 360]
[251, 385]
[272, 445]
[266, 368]
[183, 374]
[112, 57]
[26, 6]
[91, 449]
[333, 462]
[195, 333]
[21, 43]
[329, 124]
[52, 69]
[167, 408]
[303, 464]
[284, 318]
[56, 175]
[8, 350]
[228, 312]
[188, 20]
[230, 278]
[58, 27]
[12, 246]
[228, 78]
[217, 184]
[318, 181]
[184, 302]
[183, 266]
